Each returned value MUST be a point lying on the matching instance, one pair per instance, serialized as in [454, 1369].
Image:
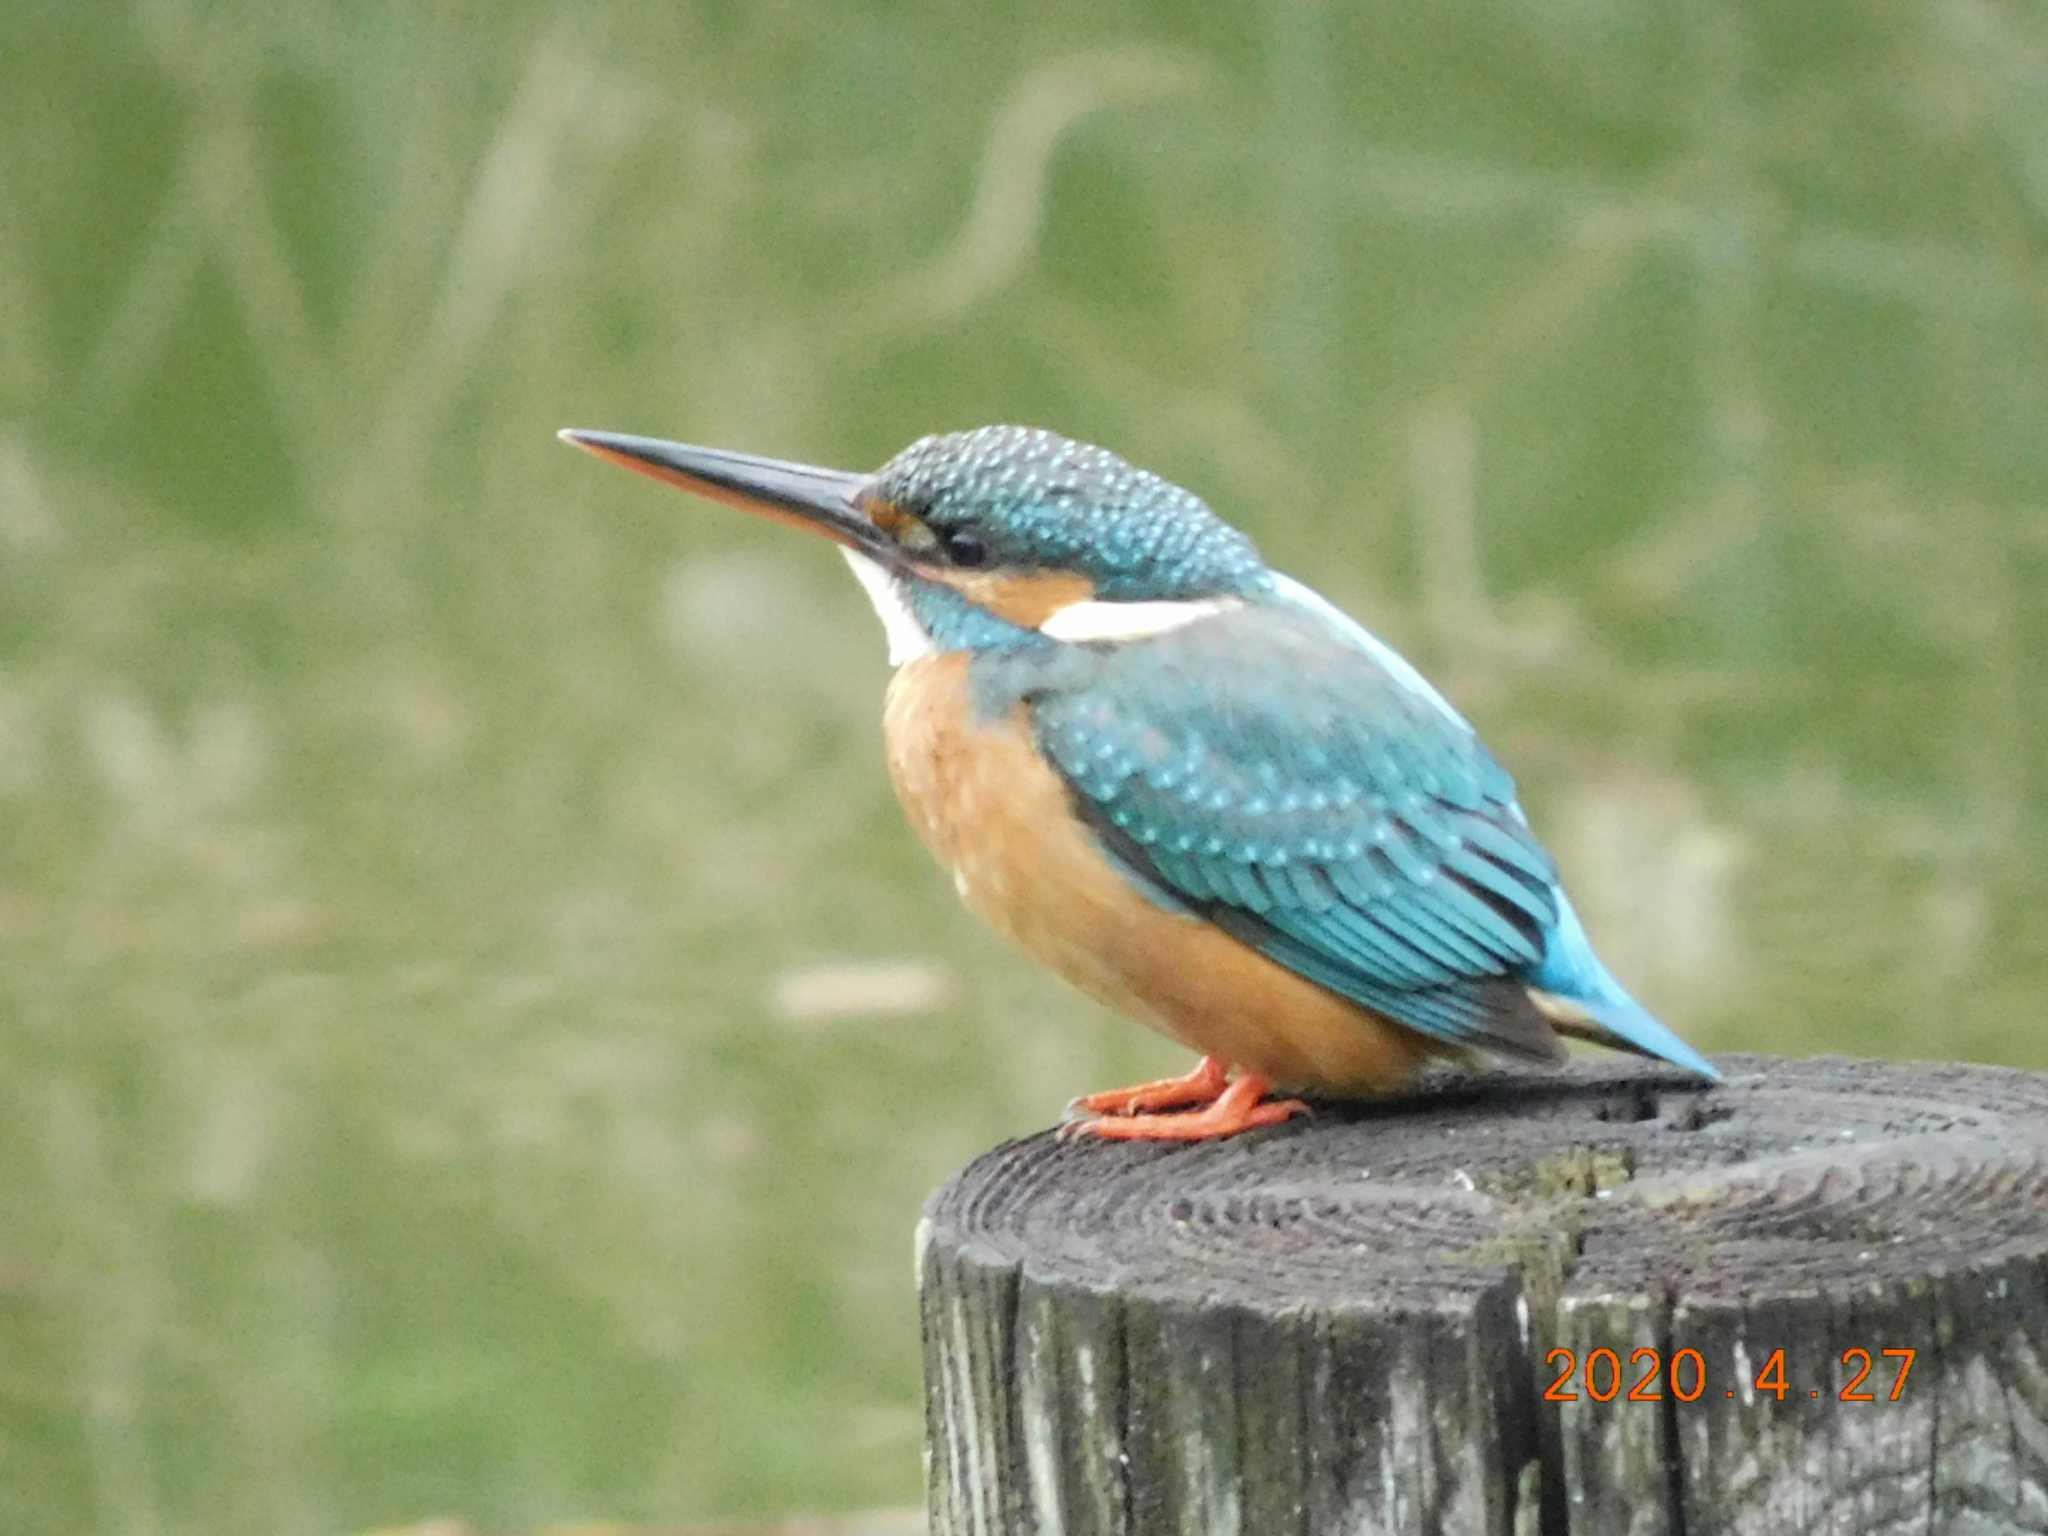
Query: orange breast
[983, 800]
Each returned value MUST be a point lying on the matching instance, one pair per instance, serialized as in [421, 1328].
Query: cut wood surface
[1396, 1317]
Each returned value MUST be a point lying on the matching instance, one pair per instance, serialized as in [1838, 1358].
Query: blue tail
[1573, 975]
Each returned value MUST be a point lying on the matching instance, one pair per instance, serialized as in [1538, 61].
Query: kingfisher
[1187, 783]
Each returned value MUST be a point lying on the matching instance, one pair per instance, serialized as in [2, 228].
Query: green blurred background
[474, 1035]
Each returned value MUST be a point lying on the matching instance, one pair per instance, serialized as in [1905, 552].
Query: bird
[1186, 782]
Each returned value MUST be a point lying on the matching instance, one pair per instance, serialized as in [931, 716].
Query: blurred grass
[888, 1522]
[417, 847]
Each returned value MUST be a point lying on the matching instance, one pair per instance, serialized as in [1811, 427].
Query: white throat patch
[907, 637]
[1095, 620]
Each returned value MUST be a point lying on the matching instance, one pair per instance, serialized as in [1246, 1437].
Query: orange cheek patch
[1024, 600]
[885, 515]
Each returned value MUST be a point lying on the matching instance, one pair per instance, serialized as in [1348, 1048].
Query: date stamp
[1600, 1376]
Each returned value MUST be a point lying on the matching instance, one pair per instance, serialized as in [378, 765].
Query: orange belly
[995, 815]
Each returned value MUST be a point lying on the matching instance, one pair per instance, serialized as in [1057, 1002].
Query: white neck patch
[907, 637]
[1079, 623]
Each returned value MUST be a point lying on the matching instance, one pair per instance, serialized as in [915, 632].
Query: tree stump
[1605, 1301]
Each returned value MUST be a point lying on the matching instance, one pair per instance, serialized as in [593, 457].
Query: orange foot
[1204, 1085]
[1237, 1108]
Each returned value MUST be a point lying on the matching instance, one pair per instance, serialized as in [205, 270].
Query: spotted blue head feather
[1033, 500]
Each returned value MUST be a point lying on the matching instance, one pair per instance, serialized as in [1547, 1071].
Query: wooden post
[1608, 1301]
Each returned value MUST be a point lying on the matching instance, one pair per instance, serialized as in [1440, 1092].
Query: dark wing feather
[1272, 776]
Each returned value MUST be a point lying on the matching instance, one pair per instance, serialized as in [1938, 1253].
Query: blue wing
[1281, 773]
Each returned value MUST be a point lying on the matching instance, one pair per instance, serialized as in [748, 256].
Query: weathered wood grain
[1342, 1325]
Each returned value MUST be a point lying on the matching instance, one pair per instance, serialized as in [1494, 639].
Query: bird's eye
[965, 548]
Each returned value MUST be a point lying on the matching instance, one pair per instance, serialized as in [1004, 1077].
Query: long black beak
[826, 501]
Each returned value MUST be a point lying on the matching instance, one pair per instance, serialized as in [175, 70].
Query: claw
[1242, 1106]
[1204, 1085]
